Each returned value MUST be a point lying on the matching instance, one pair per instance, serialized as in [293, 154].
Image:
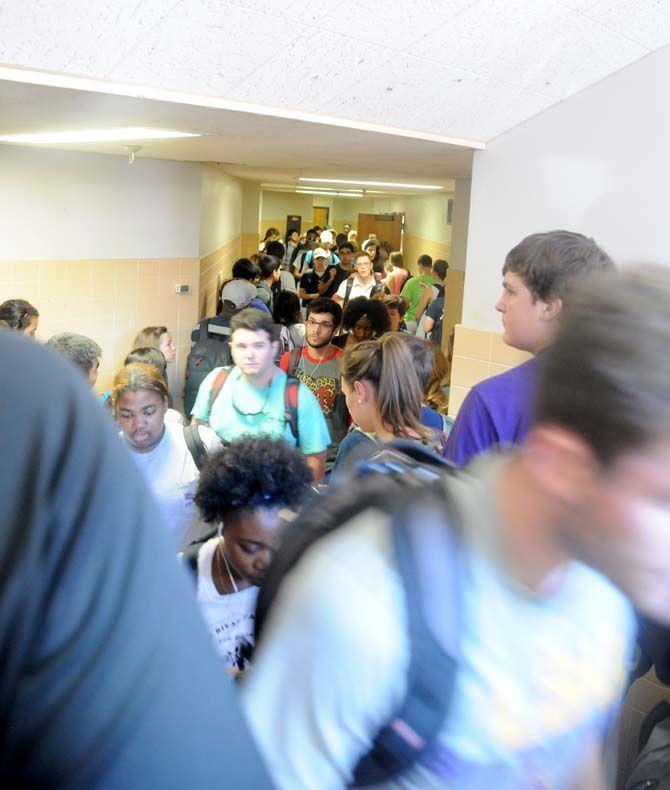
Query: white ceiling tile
[305, 11]
[393, 25]
[416, 94]
[309, 71]
[644, 21]
[541, 46]
[78, 36]
[207, 47]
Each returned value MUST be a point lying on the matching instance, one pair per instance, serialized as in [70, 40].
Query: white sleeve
[210, 439]
[331, 666]
[341, 289]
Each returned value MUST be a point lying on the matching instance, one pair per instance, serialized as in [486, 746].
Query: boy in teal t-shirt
[412, 288]
[251, 401]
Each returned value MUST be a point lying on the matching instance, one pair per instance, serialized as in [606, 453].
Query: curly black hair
[252, 472]
[376, 312]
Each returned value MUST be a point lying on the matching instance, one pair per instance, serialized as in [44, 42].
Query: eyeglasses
[322, 324]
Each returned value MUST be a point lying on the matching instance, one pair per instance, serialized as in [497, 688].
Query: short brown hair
[551, 264]
[606, 376]
[255, 321]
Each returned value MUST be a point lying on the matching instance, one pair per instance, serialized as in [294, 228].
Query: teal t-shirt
[412, 292]
[241, 409]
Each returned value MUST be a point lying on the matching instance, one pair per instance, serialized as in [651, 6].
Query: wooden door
[386, 227]
[320, 216]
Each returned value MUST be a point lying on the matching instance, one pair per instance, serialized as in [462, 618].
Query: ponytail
[388, 366]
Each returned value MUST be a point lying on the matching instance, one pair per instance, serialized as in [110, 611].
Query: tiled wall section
[477, 356]
[220, 262]
[109, 301]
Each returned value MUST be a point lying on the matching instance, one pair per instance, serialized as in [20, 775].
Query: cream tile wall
[478, 355]
[109, 301]
[218, 265]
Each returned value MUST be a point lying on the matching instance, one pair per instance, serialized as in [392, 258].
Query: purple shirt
[496, 411]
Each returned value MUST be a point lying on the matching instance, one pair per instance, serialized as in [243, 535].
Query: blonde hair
[436, 398]
[149, 336]
[136, 377]
[387, 365]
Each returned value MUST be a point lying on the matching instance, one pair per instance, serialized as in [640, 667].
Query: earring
[360, 400]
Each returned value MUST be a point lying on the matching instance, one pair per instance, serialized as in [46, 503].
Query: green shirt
[412, 292]
[242, 409]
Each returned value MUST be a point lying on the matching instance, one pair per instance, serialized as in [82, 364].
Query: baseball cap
[370, 243]
[326, 237]
[319, 252]
[238, 292]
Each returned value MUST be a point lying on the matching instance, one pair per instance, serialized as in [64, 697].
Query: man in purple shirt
[538, 275]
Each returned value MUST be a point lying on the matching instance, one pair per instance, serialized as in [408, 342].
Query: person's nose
[500, 304]
[262, 561]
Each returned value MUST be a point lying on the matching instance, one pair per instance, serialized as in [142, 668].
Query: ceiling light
[371, 183]
[333, 193]
[95, 136]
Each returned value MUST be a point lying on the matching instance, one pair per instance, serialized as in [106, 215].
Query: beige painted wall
[98, 246]
[275, 206]
[221, 214]
[109, 300]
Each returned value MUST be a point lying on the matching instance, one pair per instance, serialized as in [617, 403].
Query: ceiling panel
[459, 68]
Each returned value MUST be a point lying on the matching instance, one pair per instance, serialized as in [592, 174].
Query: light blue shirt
[244, 410]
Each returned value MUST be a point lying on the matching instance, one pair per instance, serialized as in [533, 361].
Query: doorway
[386, 227]
[320, 216]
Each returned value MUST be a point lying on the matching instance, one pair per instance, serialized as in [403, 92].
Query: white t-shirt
[357, 289]
[171, 473]
[229, 618]
[172, 415]
[537, 682]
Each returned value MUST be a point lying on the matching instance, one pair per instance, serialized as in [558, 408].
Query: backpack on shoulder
[406, 482]
[435, 333]
[211, 349]
[291, 392]
[651, 770]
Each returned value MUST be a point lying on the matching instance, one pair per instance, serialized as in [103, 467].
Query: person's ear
[561, 462]
[551, 309]
[361, 391]
[275, 348]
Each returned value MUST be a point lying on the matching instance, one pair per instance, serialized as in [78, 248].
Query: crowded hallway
[335, 425]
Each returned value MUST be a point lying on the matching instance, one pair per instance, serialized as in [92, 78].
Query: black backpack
[211, 349]
[435, 333]
[652, 767]
[407, 482]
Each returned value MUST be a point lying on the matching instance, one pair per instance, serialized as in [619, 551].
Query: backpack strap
[427, 556]
[347, 290]
[293, 359]
[291, 391]
[195, 445]
[189, 555]
[217, 384]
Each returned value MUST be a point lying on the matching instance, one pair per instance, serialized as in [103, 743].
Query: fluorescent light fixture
[332, 193]
[124, 134]
[345, 191]
[370, 183]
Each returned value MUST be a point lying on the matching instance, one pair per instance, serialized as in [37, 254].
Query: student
[286, 281]
[430, 312]
[288, 316]
[250, 398]
[553, 540]
[247, 489]
[314, 282]
[363, 319]
[271, 234]
[317, 365]
[246, 269]
[383, 394]
[342, 271]
[153, 357]
[109, 679]
[159, 448]
[423, 356]
[412, 289]
[84, 352]
[397, 307]
[292, 242]
[20, 316]
[270, 271]
[363, 282]
[538, 277]
[157, 337]
[397, 275]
